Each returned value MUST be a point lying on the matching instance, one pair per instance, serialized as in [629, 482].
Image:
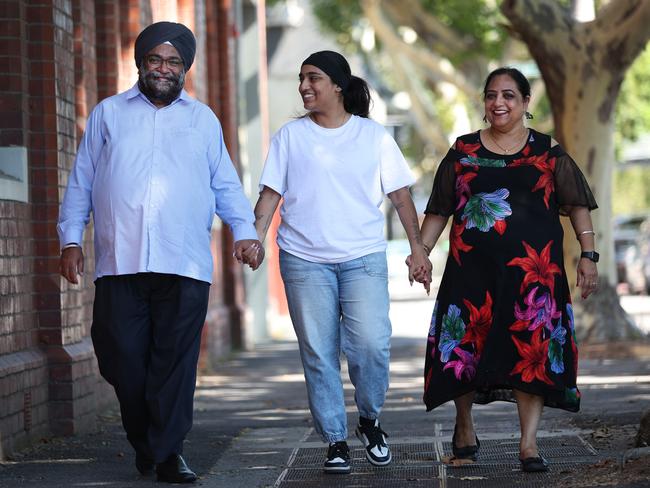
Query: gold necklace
[507, 151]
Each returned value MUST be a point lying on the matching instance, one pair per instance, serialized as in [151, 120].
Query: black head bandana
[177, 35]
[332, 64]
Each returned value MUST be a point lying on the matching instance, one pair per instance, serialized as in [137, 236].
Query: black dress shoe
[144, 464]
[536, 464]
[174, 470]
[466, 452]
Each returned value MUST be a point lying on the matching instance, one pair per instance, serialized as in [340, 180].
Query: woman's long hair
[356, 97]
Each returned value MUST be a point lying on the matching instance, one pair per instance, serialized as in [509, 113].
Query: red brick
[61, 410]
[49, 337]
[12, 137]
[43, 69]
[10, 27]
[40, 33]
[13, 82]
[41, 50]
[11, 120]
[45, 212]
[47, 284]
[49, 265]
[9, 9]
[10, 47]
[62, 391]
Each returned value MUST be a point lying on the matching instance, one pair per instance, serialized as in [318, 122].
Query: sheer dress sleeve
[443, 195]
[571, 187]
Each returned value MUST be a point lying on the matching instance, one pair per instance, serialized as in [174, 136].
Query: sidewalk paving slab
[253, 429]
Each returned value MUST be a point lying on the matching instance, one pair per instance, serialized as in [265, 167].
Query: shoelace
[374, 435]
[338, 449]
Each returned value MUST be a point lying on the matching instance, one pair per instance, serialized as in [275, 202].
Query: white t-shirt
[333, 183]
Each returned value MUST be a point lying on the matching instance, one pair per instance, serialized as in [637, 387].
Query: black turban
[177, 34]
[332, 64]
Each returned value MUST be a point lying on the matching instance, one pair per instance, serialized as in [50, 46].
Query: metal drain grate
[402, 454]
[417, 465]
[352, 481]
[551, 448]
[367, 473]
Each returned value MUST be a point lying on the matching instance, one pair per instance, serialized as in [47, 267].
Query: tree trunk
[583, 65]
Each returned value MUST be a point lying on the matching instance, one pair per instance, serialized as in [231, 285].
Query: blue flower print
[452, 331]
[484, 209]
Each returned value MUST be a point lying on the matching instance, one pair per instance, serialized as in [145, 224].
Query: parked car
[632, 252]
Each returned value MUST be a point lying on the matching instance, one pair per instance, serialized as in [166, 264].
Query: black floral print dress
[503, 317]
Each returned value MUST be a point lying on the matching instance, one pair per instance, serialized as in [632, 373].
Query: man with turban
[153, 168]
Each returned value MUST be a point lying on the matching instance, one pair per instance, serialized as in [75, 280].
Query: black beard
[147, 85]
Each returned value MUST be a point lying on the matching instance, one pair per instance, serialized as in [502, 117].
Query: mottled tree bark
[583, 65]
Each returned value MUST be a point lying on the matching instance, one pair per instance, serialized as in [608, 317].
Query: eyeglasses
[154, 61]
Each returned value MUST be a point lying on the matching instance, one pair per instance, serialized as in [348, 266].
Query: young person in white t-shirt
[332, 167]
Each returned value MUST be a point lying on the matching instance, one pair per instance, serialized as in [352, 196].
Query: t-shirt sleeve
[274, 174]
[571, 187]
[394, 170]
[443, 195]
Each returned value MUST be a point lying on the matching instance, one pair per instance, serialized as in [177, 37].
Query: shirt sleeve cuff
[72, 244]
[70, 235]
[244, 231]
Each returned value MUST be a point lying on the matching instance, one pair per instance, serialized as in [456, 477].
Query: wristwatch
[593, 255]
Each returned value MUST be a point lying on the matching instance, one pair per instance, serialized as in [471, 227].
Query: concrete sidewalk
[253, 429]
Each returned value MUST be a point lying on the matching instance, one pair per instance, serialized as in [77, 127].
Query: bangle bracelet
[585, 232]
[426, 249]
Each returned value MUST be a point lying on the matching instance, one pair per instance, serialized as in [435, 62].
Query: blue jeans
[336, 307]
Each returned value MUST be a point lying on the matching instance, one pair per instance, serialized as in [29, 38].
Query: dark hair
[356, 97]
[515, 74]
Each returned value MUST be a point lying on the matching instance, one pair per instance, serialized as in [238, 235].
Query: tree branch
[440, 69]
[447, 41]
[627, 19]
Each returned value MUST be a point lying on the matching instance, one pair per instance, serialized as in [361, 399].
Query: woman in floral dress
[503, 323]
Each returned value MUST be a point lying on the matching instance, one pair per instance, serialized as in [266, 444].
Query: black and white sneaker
[374, 439]
[338, 458]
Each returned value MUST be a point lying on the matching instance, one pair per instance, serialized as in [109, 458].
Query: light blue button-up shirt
[153, 179]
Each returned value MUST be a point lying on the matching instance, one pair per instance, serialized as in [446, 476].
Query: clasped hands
[249, 251]
[420, 268]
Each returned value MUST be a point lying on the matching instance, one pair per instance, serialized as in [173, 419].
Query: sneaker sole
[337, 470]
[368, 456]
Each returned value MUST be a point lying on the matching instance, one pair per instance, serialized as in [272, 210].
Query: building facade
[58, 58]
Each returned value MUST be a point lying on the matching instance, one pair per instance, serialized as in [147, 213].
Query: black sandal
[466, 452]
[534, 464]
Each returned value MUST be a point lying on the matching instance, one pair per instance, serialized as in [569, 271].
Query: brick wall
[58, 58]
[23, 365]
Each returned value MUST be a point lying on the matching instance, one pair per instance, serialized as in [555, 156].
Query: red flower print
[532, 366]
[463, 191]
[538, 267]
[546, 181]
[469, 149]
[546, 167]
[480, 321]
[456, 241]
[538, 161]
[500, 226]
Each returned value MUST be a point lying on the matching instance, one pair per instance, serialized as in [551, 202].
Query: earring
[529, 115]
[485, 119]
